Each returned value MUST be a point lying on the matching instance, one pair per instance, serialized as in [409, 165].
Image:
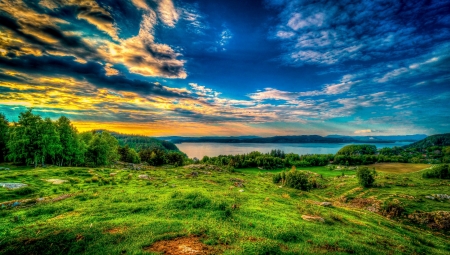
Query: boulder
[313, 218]
[326, 204]
[13, 185]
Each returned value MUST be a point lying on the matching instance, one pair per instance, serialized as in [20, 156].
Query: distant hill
[376, 139]
[275, 139]
[139, 142]
[434, 140]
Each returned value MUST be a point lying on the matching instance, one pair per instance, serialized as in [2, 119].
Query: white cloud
[363, 131]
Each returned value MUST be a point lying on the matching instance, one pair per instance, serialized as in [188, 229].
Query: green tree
[24, 143]
[68, 136]
[366, 176]
[4, 133]
[49, 141]
[102, 149]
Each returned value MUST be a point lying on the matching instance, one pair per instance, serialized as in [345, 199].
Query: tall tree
[103, 149]
[25, 144]
[49, 141]
[69, 142]
[4, 133]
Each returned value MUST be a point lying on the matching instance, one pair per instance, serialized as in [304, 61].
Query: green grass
[399, 168]
[123, 214]
[324, 171]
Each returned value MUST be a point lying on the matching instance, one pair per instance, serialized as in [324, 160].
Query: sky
[229, 67]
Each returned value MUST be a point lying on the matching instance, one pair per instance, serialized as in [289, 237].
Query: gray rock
[430, 197]
[143, 176]
[326, 204]
[13, 185]
[313, 218]
[194, 174]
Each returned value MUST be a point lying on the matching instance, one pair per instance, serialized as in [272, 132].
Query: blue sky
[194, 68]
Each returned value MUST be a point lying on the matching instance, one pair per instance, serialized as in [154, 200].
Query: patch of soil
[118, 230]
[181, 246]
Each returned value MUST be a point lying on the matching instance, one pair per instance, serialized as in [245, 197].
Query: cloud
[52, 29]
[363, 131]
[328, 32]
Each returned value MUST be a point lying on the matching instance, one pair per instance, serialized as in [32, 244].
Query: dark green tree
[366, 176]
[4, 136]
[25, 144]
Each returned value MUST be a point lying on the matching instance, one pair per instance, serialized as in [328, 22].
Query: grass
[398, 168]
[324, 171]
[126, 215]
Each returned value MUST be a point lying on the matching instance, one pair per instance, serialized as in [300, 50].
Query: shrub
[441, 172]
[366, 176]
[276, 178]
[24, 191]
[392, 208]
[298, 180]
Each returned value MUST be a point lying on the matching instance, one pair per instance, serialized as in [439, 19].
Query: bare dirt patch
[181, 246]
[398, 168]
[118, 230]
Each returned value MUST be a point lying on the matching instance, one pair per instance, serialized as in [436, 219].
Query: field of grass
[324, 171]
[398, 168]
[95, 212]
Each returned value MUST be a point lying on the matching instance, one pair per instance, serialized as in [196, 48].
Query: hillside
[139, 142]
[434, 140]
[174, 211]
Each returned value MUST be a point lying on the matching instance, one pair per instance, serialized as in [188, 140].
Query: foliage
[129, 155]
[440, 172]
[293, 179]
[366, 176]
[431, 141]
[4, 133]
[357, 149]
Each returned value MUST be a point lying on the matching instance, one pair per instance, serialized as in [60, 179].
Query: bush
[24, 191]
[276, 178]
[298, 180]
[366, 176]
[441, 172]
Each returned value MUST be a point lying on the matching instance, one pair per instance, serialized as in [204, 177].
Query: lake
[199, 150]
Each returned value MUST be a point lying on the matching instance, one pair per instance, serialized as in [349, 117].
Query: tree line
[35, 141]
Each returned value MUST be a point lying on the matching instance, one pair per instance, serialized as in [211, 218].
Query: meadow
[184, 210]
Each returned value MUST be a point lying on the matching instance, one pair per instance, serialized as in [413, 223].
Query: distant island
[296, 139]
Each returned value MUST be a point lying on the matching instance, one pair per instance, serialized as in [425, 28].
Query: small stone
[326, 204]
[430, 197]
[112, 174]
[241, 190]
[313, 218]
[143, 176]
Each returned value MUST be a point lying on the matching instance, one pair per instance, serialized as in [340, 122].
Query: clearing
[399, 168]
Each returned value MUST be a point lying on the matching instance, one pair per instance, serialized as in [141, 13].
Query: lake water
[199, 150]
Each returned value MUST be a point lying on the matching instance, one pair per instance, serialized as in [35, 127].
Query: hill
[168, 210]
[139, 142]
[431, 141]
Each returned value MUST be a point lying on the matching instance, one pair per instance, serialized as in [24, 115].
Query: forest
[35, 141]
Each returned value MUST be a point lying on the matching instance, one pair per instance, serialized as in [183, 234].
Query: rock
[13, 185]
[1, 168]
[6, 168]
[313, 218]
[56, 181]
[143, 176]
[15, 204]
[430, 197]
[441, 196]
[326, 204]
[112, 174]
[241, 190]
[239, 184]
[194, 174]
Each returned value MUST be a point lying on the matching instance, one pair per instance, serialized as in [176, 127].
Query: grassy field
[324, 171]
[398, 168]
[175, 212]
